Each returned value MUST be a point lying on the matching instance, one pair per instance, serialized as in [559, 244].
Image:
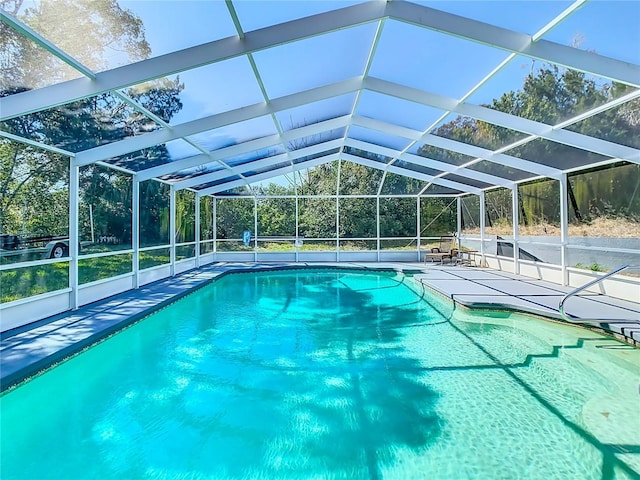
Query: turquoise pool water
[330, 375]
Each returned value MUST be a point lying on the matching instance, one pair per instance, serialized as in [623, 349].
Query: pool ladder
[572, 319]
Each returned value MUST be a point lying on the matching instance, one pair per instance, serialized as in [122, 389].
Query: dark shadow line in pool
[368, 444]
[608, 452]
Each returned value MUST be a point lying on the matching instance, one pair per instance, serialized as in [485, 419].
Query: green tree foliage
[106, 193]
[154, 213]
[185, 216]
[32, 177]
[438, 216]
[551, 95]
[276, 216]
[90, 31]
[498, 207]
[593, 191]
[321, 180]
[470, 206]
[206, 218]
[317, 217]
[398, 217]
[38, 207]
[357, 217]
[357, 179]
[234, 215]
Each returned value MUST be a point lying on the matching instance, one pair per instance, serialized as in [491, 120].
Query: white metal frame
[246, 44]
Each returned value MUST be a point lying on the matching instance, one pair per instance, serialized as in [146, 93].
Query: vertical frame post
[482, 222]
[418, 225]
[255, 228]
[459, 221]
[74, 236]
[135, 229]
[197, 233]
[338, 178]
[215, 228]
[295, 244]
[564, 228]
[378, 227]
[515, 218]
[172, 230]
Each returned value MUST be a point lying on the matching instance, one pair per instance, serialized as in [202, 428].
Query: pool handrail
[568, 318]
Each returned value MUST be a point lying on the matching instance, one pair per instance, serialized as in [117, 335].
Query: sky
[443, 64]
[406, 54]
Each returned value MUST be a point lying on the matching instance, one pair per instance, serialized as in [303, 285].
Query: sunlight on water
[330, 375]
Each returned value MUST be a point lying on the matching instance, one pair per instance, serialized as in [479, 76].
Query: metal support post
[197, 233]
[297, 226]
[516, 229]
[135, 230]
[215, 228]
[74, 237]
[564, 228]
[378, 227]
[172, 230]
[482, 224]
[418, 225]
[459, 220]
[255, 229]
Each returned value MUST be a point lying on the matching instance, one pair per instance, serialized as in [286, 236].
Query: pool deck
[27, 350]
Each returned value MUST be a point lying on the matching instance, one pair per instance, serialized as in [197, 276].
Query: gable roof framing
[247, 43]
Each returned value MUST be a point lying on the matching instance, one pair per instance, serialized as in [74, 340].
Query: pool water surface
[330, 374]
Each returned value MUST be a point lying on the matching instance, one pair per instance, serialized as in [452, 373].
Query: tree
[90, 31]
[551, 95]
[98, 26]
[154, 213]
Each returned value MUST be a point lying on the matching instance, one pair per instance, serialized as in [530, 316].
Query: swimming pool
[330, 374]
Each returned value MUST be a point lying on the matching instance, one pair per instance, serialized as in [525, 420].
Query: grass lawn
[25, 282]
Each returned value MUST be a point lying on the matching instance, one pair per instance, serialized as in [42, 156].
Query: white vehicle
[39, 247]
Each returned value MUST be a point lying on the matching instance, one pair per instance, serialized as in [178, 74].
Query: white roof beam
[260, 163]
[549, 26]
[512, 122]
[516, 42]
[212, 122]
[31, 34]
[193, 57]
[242, 148]
[267, 175]
[35, 144]
[256, 72]
[458, 147]
[410, 173]
[212, 52]
[389, 128]
[429, 163]
[491, 156]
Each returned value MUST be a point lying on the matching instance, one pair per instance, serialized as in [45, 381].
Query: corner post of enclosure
[135, 229]
[482, 222]
[197, 234]
[172, 230]
[516, 228]
[378, 227]
[74, 236]
[564, 228]
[255, 228]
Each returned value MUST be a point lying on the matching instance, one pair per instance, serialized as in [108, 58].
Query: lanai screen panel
[375, 80]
